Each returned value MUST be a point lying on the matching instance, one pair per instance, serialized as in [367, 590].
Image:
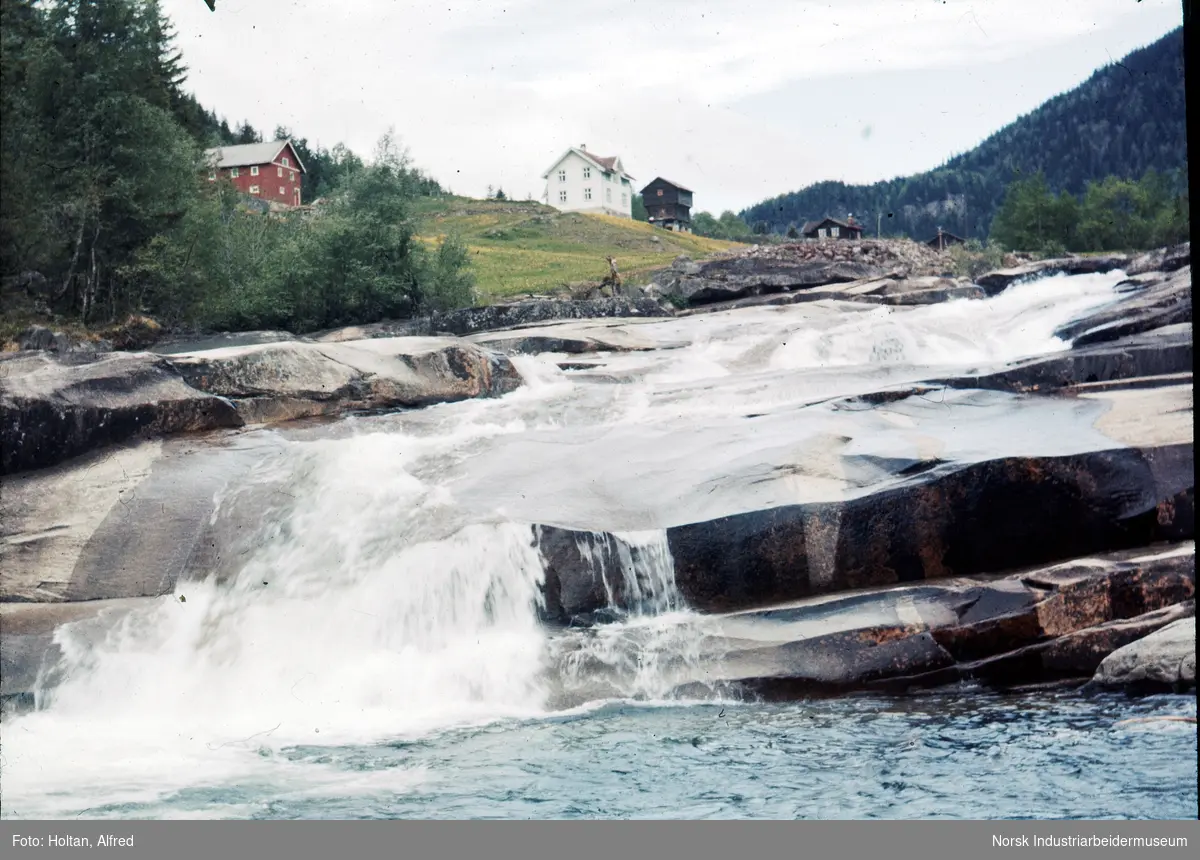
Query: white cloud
[486, 93]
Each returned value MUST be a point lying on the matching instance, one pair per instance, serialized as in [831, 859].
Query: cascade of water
[373, 602]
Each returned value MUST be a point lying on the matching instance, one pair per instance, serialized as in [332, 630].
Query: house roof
[809, 226]
[946, 234]
[672, 184]
[611, 164]
[249, 154]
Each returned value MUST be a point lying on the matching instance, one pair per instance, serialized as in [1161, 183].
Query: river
[377, 651]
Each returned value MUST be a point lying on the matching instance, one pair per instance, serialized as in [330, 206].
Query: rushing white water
[391, 583]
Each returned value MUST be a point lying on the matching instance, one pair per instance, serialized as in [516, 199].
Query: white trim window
[834, 232]
[587, 194]
[253, 189]
[282, 191]
[286, 163]
[292, 176]
[587, 173]
[279, 172]
[562, 197]
[562, 176]
[212, 177]
[233, 172]
[608, 195]
[624, 199]
[254, 171]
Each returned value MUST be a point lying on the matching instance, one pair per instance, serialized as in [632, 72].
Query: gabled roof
[809, 226]
[672, 184]
[249, 154]
[947, 235]
[611, 165]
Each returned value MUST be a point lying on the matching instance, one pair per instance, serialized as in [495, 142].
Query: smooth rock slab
[282, 381]
[1148, 302]
[1160, 352]
[51, 411]
[1163, 660]
[950, 521]
[1035, 626]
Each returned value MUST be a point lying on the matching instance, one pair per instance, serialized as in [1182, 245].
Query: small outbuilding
[832, 228]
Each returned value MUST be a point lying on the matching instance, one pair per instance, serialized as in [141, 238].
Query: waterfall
[381, 582]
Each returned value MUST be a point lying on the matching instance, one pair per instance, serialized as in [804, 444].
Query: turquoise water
[966, 754]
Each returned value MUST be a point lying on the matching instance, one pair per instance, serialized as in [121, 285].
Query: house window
[562, 197]
[587, 194]
[587, 173]
[292, 176]
[660, 192]
[562, 176]
[233, 172]
[608, 195]
[282, 190]
[279, 172]
[286, 163]
[212, 177]
[833, 231]
[624, 199]
[822, 233]
[254, 171]
[253, 189]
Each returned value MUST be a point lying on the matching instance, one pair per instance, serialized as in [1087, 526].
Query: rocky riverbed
[847, 471]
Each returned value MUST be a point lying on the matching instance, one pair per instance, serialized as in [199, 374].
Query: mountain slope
[1128, 117]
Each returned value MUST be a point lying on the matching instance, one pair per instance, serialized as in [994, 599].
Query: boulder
[1165, 660]
[52, 410]
[1161, 260]
[283, 381]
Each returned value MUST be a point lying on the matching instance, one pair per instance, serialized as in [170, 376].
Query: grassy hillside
[1127, 118]
[518, 248]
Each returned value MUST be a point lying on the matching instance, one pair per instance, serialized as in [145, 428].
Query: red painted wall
[271, 184]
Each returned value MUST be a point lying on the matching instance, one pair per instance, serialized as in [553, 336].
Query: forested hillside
[106, 208]
[1126, 119]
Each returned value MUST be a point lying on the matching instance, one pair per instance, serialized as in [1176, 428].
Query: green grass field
[521, 248]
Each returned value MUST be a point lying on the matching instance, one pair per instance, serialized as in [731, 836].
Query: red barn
[270, 171]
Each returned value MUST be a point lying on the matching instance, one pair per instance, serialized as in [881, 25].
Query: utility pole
[878, 225]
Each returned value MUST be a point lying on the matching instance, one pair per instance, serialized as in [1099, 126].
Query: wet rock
[51, 410]
[1161, 260]
[1034, 626]
[501, 316]
[283, 381]
[735, 277]
[176, 344]
[590, 577]
[1165, 660]
[1163, 351]
[1149, 302]
[998, 281]
[569, 338]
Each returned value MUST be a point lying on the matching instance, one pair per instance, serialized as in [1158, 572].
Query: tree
[792, 232]
[639, 209]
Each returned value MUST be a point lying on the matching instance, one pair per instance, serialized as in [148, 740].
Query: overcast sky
[738, 100]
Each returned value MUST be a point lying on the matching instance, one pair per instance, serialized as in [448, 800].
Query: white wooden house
[581, 181]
